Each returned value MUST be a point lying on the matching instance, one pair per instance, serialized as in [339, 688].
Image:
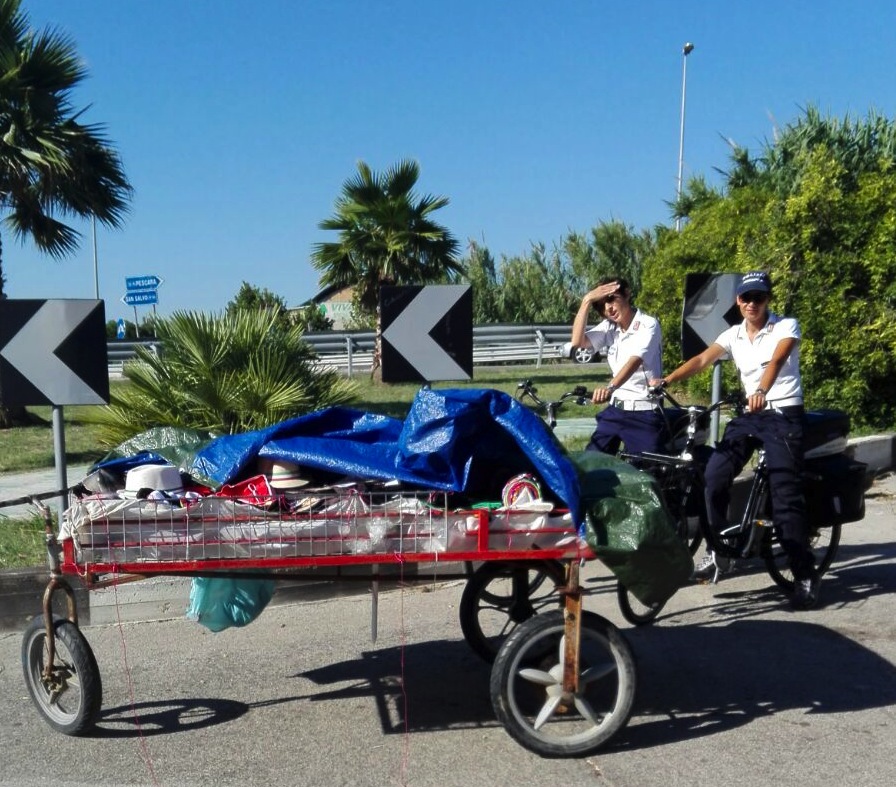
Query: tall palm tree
[51, 164]
[386, 236]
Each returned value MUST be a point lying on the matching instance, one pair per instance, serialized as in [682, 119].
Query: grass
[22, 542]
[32, 447]
[24, 448]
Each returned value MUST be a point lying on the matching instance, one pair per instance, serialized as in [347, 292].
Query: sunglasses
[754, 297]
[612, 298]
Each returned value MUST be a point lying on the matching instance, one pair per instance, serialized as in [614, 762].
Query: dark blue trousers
[781, 434]
[637, 430]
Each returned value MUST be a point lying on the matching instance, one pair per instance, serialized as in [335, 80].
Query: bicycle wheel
[501, 595]
[527, 686]
[822, 540]
[634, 611]
[70, 697]
[683, 496]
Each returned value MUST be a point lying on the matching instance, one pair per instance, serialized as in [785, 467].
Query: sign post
[142, 290]
[710, 307]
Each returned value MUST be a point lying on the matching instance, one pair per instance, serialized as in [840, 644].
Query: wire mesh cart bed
[562, 682]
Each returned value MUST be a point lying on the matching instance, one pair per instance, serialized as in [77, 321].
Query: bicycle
[500, 595]
[681, 481]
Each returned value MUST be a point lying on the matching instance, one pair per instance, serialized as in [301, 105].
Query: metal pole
[59, 452]
[685, 51]
[96, 267]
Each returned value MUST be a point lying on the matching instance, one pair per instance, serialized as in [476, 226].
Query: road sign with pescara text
[142, 282]
[427, 333]
[53, 352]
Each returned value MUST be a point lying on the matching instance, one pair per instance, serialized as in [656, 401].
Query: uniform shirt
[643, 339]
[751, 358]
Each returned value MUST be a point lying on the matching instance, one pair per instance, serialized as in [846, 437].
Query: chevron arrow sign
[53, 352]
[709, 308]
[427, 333]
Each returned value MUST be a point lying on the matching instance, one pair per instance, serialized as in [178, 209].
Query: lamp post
[96, 267]
[685, 51]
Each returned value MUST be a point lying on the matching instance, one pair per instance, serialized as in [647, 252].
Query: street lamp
[96, 267]
[685, 51]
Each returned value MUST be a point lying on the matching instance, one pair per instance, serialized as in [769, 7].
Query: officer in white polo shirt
[632, 341]
[765, 348]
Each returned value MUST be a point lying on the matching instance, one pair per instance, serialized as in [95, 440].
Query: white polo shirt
[643, 339]
[751, 358]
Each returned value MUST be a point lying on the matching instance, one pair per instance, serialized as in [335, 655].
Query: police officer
[765, 350]
[632, 342]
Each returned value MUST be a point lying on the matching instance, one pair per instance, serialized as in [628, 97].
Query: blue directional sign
[121, 329]
[141, 297]
[142, 283]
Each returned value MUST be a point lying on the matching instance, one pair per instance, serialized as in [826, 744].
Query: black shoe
[805, 592]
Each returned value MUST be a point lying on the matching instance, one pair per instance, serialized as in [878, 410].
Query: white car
[579, 354]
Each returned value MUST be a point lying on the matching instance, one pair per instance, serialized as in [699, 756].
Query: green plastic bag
[629, 529]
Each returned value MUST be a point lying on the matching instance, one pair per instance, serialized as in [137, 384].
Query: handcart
[562, 681]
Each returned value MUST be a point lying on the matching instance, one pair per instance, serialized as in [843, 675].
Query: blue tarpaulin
[461, 440]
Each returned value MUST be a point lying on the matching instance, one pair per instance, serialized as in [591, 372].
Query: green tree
[817, 210]
[387, 235]
[221, 374]
[250, 297]
[52, 166]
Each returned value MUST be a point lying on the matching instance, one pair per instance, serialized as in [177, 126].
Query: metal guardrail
[352, 351]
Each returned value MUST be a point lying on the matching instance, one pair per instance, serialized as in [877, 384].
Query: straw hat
[282, 475]
[162, 478]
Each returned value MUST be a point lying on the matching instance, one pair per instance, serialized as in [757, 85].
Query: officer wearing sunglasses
[632, 341]
[765, 348]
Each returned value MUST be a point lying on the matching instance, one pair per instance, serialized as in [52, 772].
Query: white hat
[164, 478]
[282, 475]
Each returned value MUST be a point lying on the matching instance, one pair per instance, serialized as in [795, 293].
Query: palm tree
[386, 236]
[51, 165]
[245, 369]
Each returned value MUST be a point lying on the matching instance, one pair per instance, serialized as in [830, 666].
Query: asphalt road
[734, 688]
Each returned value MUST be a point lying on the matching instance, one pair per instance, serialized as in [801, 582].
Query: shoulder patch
[636, 325]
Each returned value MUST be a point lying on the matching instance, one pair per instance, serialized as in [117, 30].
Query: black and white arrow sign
[53, 352]
[710, 307]
[427, 333]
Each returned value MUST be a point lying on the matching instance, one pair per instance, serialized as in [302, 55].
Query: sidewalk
[34, 482]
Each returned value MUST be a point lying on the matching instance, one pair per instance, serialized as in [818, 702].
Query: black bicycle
[680, 477]
[500, 595]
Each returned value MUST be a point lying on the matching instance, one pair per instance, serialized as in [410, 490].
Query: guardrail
[352, 351]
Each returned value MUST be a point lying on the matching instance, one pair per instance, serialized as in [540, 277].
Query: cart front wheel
[68, 693]
[527, 686]
[501, 595]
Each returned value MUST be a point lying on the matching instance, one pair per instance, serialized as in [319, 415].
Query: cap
[754, 281]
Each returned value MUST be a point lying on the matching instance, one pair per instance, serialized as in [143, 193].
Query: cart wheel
[70, 698]
[501, 595]
[634, 611]
[527, 686]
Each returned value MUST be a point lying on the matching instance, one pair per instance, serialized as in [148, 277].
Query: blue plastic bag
[221, 602]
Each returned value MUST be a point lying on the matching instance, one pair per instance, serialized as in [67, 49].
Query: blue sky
[238, 121]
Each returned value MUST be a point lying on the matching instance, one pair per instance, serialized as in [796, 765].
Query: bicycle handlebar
[579, 395]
